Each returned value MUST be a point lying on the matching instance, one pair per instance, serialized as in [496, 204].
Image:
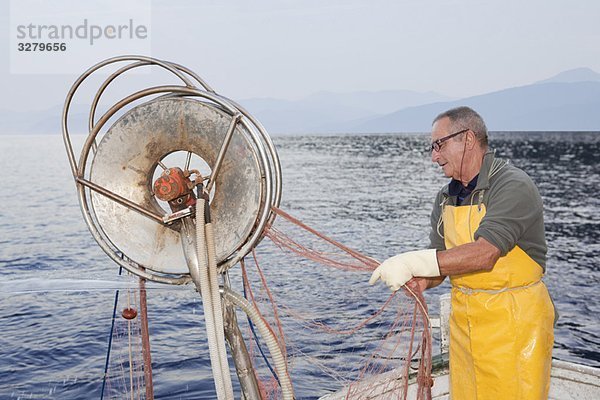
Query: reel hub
[175, 187]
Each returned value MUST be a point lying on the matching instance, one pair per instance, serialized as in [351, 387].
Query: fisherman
[487, 235]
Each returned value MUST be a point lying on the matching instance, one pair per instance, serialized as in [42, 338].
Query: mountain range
[569, 101]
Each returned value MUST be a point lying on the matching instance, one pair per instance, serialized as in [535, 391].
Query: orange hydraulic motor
[175, 187]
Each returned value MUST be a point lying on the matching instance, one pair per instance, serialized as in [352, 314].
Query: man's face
[450, 155]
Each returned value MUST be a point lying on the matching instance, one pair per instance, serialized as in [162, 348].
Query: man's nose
[435, 155]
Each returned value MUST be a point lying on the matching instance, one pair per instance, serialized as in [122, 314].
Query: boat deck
[568, 381]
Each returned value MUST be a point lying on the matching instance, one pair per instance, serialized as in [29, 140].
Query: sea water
[373, 193]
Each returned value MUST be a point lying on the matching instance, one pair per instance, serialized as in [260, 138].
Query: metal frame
[269, 163]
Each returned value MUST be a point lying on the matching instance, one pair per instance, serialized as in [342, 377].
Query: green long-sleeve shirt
[514, 211]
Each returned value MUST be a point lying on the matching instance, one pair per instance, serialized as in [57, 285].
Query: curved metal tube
[90, 71]
[264, 163]
[268, 159]
[138, 64]
[270, 146]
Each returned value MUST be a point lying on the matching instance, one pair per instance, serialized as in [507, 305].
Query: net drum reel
[114, 175]
[129, 154]
[139, 200]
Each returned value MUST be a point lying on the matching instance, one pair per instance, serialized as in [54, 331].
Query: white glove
[398, 270]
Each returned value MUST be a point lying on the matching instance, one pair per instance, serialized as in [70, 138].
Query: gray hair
[466, 118]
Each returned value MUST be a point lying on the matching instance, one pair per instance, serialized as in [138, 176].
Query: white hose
[207, 280]
[207, 303]
[287, 391]
[217, 308]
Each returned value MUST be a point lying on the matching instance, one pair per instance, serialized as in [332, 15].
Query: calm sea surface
[373, 193]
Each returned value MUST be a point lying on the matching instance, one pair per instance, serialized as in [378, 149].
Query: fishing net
[124, 376]
[336, 331]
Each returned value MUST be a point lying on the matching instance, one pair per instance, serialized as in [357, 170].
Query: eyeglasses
[437, 145]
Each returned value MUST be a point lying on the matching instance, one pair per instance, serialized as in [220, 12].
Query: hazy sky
[289, 49]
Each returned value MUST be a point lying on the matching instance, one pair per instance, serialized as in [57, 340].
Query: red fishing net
[341, 338]
[124, 376]
[339, 334]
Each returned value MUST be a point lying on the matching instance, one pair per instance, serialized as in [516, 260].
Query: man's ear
[471, 139]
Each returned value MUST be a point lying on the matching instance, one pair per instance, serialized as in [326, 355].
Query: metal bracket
[170, 218]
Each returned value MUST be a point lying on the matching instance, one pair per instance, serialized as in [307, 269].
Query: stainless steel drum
[116, 168]
[125, 162]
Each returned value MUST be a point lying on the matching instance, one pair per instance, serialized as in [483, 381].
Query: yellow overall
[501, 326]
